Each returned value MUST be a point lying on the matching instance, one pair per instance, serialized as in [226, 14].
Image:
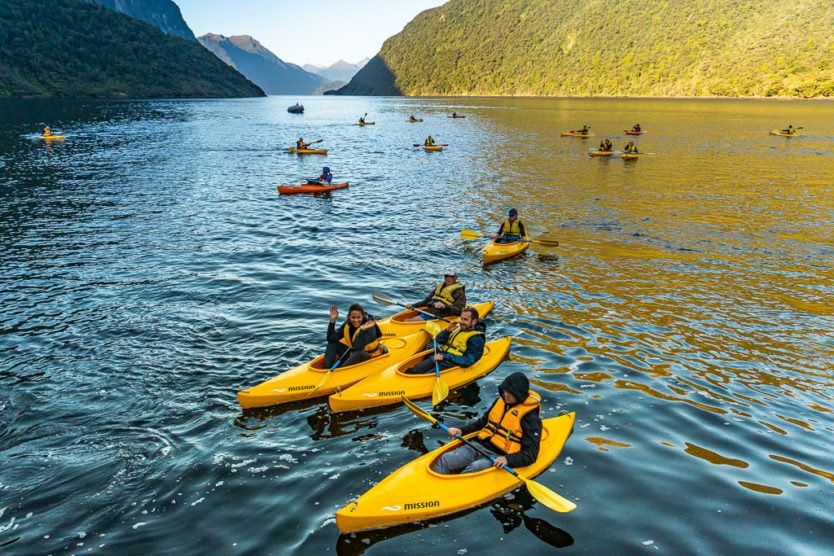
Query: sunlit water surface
[150, 271]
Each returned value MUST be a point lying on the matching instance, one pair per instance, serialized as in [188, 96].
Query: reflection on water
[150, 271]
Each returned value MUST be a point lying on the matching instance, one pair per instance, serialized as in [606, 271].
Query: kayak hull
[415, 493]
[436, 148]
[400, 325]
[634, 132]
[302, 382]
[52, 137]
[601, 153]
[417, 121]
[494, 252]
[366, 123]
[781, 133]
[455, 117]
[390, 385]
[631, 156]
[306, 151]
[576, 134]
[309, 188]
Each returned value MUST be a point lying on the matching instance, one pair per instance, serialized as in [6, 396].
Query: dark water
[150, 271]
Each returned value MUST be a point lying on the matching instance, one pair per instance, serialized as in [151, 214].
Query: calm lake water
[150, 271]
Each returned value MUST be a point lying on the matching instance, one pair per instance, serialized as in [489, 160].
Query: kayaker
[429, 141]
[585, 129]
[789, 131]
[325, 178]
[300, 144]
[359, 334]
[631, 148]
[605, 145]
[412, 118]
[510, 431]
[362, 118]
[511, 229]
[636, 127]
[46, 131]
[460, 345]
[447, 299]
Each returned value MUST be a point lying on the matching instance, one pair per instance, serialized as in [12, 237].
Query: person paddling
[510, 431]
[325, 178]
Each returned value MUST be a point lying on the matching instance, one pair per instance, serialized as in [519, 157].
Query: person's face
[513, 217]
[450, 279]
[466, 320]
[356, 318]
[509, 399]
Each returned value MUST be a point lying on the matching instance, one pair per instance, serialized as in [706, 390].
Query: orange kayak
[309, 188]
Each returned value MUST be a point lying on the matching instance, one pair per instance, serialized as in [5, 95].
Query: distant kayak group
[324, 185]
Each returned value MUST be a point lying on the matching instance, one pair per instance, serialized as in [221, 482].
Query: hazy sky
[319, 32]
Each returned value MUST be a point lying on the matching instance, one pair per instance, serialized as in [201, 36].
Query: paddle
[419, 145]
[441, 389]
[333, 368]
[538, 491]
[472, 234]
[383, 299]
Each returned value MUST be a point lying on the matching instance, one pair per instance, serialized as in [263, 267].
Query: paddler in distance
[511, 230]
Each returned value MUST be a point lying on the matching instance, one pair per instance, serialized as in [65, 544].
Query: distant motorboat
[296, 109]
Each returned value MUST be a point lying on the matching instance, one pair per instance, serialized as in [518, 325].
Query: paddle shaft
[385, 300]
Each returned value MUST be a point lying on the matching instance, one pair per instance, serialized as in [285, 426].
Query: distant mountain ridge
[261, 66]
[340, 71]
[722, 48]
[164, 14]
[79, 49]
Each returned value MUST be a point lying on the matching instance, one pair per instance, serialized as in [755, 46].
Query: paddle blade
[415, 409]
[547, 497]
[323, 380]
[547, 242]
[440, 392]
[382, 299]
[432, 328]
[469, 234]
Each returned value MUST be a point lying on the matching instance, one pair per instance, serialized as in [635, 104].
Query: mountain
[261, 66]
[163, 14]
[725, 48]
[75, 49]
[340, 71]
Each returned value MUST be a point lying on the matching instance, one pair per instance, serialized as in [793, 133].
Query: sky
[318, 32]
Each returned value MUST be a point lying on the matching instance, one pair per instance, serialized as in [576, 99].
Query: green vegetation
[727, 48]
[69, 48]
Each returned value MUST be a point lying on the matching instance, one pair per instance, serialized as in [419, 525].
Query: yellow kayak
[438, 148]
[414, 492]
[399, 325]
[367, 123]
[306, 151]
[302, 382]
[783, 133]
[494, 252]
[576, 134]
[52, 137]
[631, 156]
[390, 385]
[601, 153]
[415, 121]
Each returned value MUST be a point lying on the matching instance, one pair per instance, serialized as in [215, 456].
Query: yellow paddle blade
[416, 410]
[469, 234]
[323, 380]
[432, 328]
[547, 497]
[440, 392]
[546, 241]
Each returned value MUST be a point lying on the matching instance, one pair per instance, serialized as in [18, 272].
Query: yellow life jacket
[456, 344]
[443, 293]
[503, 428]
[511, 228]
[374, 347]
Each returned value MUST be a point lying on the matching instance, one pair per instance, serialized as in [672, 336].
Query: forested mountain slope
[609, 47]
